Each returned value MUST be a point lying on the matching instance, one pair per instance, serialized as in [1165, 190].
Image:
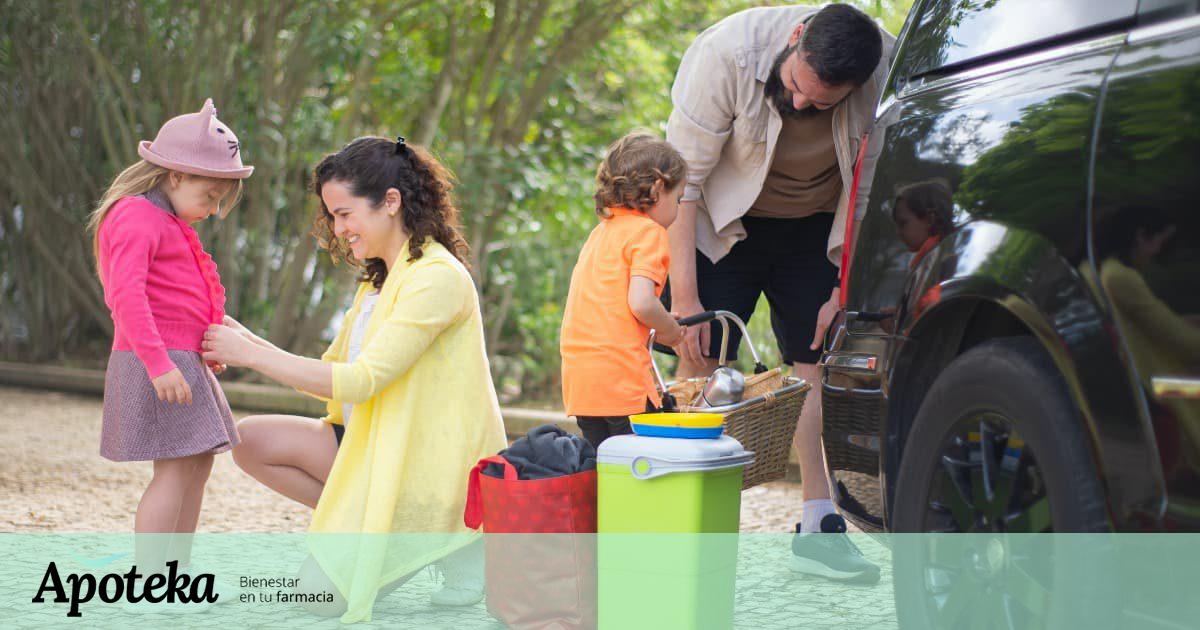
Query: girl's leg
[159, 509]
[189, 510]
[291, 455]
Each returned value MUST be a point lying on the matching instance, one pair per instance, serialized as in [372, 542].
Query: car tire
[946, 580]
[1015, 377]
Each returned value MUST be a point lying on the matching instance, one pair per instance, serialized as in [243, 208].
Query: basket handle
[698, 318]
[725, 317]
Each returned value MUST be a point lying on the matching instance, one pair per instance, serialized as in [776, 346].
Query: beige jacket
[726, 129]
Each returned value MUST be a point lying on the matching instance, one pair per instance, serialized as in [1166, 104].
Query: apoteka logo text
[157, 587]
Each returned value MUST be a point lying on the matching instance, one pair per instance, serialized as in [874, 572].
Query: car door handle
[1177, 387]
[868, 316]
[838, 360]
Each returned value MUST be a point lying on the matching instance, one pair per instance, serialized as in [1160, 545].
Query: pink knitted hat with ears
[197, 144]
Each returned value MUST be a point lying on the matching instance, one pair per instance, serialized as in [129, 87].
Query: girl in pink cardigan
[162, 403]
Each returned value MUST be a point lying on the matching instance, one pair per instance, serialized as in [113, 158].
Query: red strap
[848, 240]
[473, 514]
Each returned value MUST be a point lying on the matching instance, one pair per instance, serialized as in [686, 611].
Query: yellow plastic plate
[684, 420]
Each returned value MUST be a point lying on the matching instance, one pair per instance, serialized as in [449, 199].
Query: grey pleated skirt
[140, 427]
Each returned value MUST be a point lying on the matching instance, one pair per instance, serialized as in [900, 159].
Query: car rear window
[954, 32]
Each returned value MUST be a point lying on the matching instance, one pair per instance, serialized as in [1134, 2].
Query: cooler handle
[648, 470]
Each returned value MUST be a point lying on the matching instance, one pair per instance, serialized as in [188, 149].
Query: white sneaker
[462, 573]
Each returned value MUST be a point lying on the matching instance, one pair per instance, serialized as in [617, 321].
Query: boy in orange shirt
[613, 301]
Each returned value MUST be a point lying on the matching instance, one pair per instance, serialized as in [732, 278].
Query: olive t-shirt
[804, 178]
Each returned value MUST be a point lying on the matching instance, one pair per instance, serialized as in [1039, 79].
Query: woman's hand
[247, 333]
[224, 344]
[173, 388]
[236, 325]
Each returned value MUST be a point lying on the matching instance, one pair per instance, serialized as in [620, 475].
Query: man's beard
[778, 95]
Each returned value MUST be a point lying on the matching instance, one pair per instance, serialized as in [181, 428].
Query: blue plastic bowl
[654, 430]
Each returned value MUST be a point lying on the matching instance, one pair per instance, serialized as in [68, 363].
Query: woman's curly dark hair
[631, 167]
[369, 166]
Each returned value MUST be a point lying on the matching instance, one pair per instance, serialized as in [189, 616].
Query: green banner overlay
[618, 581]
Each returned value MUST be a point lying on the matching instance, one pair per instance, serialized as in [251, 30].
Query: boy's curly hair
[931, 200]
[630, 168]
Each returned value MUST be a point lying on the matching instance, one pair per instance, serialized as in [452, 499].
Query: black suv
[1019, 349]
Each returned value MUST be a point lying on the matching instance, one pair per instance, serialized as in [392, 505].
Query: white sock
[813, 512]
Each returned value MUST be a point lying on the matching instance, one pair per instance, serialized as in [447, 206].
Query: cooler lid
[649, 457]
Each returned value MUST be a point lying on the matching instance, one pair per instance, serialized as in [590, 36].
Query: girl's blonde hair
[631, 167]
[139, 179]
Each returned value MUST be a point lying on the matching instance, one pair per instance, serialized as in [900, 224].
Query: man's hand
[825, 317]
[695, 340]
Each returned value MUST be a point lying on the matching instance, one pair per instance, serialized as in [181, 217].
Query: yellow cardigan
[425, 411]
[1162, 342]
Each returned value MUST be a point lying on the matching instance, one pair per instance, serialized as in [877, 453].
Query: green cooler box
[668, 512]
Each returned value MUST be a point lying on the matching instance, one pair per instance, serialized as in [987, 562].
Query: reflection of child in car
[923, 215]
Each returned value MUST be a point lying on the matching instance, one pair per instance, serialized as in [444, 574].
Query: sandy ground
[52, 478]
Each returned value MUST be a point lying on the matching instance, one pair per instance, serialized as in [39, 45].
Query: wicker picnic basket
[763, 421]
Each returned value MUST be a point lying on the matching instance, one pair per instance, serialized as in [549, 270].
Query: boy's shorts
[596, 429]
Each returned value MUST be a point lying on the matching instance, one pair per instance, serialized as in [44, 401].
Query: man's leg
[688, 369]
[800, 282]
[814, 478]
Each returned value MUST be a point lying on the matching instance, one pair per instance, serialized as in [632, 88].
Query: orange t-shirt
[605, 364]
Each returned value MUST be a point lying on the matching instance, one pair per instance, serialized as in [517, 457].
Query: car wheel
[998, 451]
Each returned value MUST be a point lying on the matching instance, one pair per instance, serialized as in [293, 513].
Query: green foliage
[518, 97]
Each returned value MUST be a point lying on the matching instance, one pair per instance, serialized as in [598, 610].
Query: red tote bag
[539, 546]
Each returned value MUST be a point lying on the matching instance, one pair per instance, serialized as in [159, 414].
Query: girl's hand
[173, 388]
[223, 344]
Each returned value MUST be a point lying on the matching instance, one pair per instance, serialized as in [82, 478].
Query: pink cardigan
[160, 284]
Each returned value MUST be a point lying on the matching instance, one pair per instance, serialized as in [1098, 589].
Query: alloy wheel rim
[987, 484]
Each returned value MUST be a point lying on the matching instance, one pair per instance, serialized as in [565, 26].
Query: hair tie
[400, 145]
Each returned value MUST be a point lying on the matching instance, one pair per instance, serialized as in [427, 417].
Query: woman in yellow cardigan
[411, 401]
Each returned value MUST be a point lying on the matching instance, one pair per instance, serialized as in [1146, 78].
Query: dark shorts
[782, 258]
[339, 432]
[596, 429]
